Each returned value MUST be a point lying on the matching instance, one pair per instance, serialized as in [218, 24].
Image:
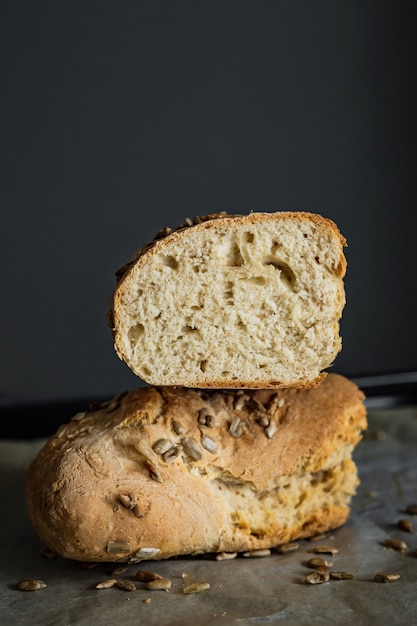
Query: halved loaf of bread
[170, 471]
[246, 301]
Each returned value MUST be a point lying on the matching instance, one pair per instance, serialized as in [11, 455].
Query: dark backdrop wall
[120, 118]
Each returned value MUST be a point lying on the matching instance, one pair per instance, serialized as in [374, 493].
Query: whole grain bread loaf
[248, 301]
[172, 471]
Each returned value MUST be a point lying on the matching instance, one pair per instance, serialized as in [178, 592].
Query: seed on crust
[128, 500]
[236, 428]
[153, 472]
[162, 446]
[118, 547]
[172, 454]
[31, 585]
[191, 448]
[178, 428]
[209, 444]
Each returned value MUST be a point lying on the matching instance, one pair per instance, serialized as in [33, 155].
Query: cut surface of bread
[170, 471]
[249, 301]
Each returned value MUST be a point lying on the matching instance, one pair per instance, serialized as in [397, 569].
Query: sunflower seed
[196, 588]
[236, 428]
[411, 509]
[145, 576]
[178, 428]
[318, 562]
[136, 510]
[162, 446]
[118, 547]
[395, 544]
[288, 547]
[119, 570]
[405, 524]
[317, 537]
[127, 585]
[191, 448]
[240, 402]
[256, 405]
[204, 418]
[79, 416]
[31, 585]
[128, 500]
[317, 577]
[263, 421]
[257, 553]
[270, 430]
[162, 584]
[153, 472]
[209, 444]
[115, 402]
[341, 576]
[146, 600]
[225, 556]
[172, 453]
[386, 577]
[325, 550]
[146, 553]
[106, 584]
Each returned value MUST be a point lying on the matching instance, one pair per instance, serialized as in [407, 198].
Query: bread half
[171, 471]
[248, 301]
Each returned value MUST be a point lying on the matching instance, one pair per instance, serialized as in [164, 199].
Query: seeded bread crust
[169, 471]
[134, 351]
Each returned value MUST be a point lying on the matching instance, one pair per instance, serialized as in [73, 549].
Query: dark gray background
[120, 118]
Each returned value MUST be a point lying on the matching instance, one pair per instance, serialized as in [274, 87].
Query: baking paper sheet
[245, 590]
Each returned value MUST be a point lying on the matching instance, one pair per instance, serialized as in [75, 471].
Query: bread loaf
[172, 471]
[247, 301]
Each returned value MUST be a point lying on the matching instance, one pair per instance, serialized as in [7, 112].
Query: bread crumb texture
[170, 471]
[247, 301]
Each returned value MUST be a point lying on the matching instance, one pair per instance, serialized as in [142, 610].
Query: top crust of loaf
[172, 329]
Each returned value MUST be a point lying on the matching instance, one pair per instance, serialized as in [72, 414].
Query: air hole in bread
[189, 329]
[249, 237]
[135, 332]
[203, 365]
[170, 261]
[228, 294]
[286, 274]
[258, 280]
[235, 257]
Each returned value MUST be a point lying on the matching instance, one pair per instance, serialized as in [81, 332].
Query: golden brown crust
[100, 490]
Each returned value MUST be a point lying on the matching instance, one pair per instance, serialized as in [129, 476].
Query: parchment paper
[245, 590]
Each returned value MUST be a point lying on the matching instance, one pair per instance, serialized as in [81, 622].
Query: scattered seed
[147, 600]
[411, 509]
[196, 588]
[405, 524]
[318, 562]
[236, 428]
[118, 547]
[88, 565]
[317, 577]
[257, 553]
[325, 550]
[31, 585]
[162, 446]
[172, 453]
[209, 444]
[49, 554]
[288, 547]
[163, 584]
[127, 585]
[395, 544]
[145, 576]
[386, 577]
[178, 427]
[225, 556]
[341, 576]
[106, 584]
[191, 448]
